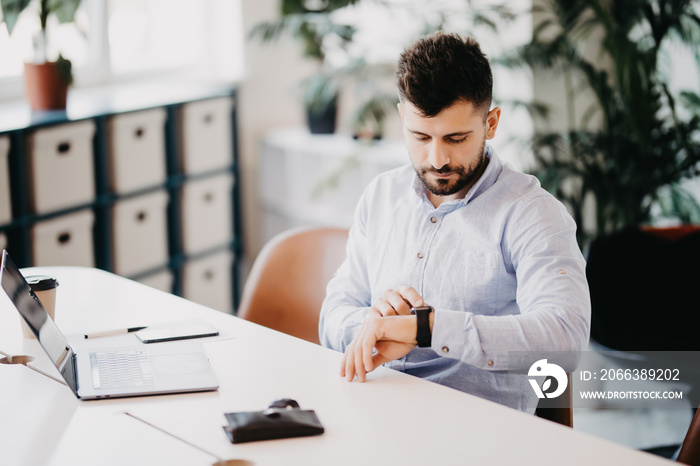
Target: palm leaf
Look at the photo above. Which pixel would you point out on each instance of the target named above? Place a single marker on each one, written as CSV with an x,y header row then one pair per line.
x,y
11,10
64,10
643,144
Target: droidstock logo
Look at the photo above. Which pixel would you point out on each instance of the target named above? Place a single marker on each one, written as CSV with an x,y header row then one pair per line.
x,y
555,382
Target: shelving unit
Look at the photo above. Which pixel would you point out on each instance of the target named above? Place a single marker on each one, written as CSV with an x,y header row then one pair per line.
x,y
182,105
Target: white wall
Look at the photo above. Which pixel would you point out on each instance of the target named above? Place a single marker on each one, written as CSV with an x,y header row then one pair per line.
x,y
269,98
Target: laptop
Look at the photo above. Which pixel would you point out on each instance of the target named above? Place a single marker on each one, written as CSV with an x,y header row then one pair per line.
x,y
105,371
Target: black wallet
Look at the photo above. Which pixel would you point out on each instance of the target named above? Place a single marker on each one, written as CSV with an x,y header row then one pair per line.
x,y
283,419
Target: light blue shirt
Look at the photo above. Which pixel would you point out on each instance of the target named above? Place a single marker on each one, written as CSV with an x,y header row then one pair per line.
x,y
501,267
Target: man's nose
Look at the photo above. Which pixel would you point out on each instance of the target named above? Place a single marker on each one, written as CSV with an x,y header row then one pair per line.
x,y
438,155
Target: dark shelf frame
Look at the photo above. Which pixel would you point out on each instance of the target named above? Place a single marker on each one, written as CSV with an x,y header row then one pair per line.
x,y
18,230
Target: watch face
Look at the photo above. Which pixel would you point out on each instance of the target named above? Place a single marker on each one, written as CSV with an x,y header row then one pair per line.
x,y
422,308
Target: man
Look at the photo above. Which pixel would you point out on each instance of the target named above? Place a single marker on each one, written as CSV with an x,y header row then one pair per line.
x,y
488,257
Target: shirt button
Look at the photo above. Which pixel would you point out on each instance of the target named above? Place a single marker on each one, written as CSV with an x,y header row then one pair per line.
x,y
445,349
490,363
433,219
420,255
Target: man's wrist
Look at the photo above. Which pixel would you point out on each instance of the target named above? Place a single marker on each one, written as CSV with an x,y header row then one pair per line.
x,y
397,328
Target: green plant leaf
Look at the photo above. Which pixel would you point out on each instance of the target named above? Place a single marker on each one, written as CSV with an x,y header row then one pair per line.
x,y
643,145
320,91
11,10
65,70
692,101
64,10
676,202
373,111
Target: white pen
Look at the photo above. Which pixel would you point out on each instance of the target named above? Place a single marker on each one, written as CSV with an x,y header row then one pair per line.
x,y
109,333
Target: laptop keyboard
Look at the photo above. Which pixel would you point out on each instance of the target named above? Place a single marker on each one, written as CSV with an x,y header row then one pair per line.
x,y
121,369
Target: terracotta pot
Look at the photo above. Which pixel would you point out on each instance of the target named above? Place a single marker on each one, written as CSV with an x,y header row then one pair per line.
x,y
672,233
45,89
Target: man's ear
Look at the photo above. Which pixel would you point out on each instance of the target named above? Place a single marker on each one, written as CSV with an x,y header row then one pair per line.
x,y
400,111
492,122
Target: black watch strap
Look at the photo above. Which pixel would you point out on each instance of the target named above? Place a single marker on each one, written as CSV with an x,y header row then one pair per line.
x,y
423,334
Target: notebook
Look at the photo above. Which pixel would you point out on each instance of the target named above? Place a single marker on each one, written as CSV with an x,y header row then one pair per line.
x,y
104,371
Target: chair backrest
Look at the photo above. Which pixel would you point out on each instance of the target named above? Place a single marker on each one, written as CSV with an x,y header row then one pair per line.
x,y
560,409
287,284
690,450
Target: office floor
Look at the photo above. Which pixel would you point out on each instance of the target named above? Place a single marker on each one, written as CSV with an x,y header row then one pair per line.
x,y
633,425
637,428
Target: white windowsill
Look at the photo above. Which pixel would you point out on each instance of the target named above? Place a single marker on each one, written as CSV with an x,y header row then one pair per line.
x,y
116,97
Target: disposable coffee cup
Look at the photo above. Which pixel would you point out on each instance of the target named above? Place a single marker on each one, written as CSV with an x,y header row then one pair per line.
x,y
44,287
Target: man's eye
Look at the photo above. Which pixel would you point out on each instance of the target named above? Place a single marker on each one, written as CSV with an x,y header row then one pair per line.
x,y
423,138
456,141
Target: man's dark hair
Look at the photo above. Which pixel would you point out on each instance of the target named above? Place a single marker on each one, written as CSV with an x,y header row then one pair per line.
x,y
441,69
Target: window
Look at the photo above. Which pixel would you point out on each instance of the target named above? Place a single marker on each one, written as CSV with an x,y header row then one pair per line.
x,y
114,40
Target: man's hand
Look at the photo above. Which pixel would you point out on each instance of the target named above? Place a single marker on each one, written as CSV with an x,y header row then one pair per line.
x,y
386,351
398,302
359,359
389,328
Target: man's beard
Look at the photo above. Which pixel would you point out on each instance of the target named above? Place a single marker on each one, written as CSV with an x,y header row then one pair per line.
x,y
448,187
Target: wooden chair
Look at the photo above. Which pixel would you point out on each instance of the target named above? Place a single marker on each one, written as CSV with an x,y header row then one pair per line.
x,y
560,409
287,284
690,450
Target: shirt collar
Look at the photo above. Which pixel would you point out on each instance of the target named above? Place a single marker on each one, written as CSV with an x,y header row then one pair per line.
x,y
485,181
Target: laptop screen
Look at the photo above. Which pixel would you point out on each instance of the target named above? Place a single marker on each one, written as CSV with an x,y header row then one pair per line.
x,y
38,320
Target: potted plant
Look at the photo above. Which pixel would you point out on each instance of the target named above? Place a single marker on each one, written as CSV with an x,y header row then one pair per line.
x,y
46,81
312,23
638,140
622,156
321,30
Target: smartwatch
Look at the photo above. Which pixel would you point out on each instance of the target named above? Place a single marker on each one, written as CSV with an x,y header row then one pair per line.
x,y
423,334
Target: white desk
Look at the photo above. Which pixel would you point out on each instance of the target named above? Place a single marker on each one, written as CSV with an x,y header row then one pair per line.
x,y
392,419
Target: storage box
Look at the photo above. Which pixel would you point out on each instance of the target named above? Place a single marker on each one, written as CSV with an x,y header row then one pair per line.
x,y
5,207
209,281
65,240
137,150
61,166
162,281
206,130
140,233
207,219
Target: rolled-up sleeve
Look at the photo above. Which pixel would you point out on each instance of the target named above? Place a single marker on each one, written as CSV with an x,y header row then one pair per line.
x,y
552,295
